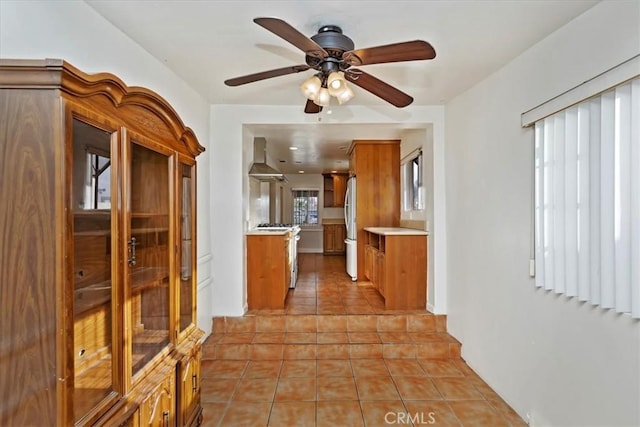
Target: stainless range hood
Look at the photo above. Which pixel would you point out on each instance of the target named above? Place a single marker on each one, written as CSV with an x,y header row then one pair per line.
x,y
260,169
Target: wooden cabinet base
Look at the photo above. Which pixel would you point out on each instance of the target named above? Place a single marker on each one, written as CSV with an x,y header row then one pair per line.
x,y
167,395
397,266
333,239
268,270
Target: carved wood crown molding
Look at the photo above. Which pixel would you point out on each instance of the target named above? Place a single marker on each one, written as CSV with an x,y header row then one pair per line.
x,y
57,73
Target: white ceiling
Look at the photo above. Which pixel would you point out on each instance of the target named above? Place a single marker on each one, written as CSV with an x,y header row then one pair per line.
x,y
207,42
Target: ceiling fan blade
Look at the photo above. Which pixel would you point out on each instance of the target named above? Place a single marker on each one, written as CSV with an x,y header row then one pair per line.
x,y
378,88
285,31
237,81
312,107
407,51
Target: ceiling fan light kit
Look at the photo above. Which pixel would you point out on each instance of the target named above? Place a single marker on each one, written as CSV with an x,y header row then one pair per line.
x,y
345,95
332,55
314,89
336,83
311,87
323,99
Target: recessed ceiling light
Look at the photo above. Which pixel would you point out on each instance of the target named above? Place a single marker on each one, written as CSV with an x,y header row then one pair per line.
x,y
300,171
334,171
293,148
298,162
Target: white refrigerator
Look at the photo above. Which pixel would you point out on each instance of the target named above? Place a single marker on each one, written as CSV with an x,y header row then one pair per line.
x,y
350,222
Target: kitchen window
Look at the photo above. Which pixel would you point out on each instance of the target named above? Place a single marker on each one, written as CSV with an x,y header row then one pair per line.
x,y
412,180
305,206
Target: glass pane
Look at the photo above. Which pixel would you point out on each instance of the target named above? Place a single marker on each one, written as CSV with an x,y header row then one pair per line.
x,y
186,264
148,254
91,199
305,207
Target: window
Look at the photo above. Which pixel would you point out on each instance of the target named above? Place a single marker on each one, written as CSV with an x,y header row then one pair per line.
x,y
305,207
98,179
413,189
587,200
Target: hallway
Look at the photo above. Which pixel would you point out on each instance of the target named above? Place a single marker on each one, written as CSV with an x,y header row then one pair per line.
x,y
323,287
334,357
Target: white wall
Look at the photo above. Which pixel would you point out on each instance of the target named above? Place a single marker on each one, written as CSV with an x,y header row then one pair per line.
x,y
229,184
259,202
76,33
564,362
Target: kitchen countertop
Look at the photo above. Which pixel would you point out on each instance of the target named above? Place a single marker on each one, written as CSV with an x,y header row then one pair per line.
x,y
267,232
327,221
396,231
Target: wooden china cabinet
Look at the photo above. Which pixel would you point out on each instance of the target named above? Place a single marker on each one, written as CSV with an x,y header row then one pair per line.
x,y
97,253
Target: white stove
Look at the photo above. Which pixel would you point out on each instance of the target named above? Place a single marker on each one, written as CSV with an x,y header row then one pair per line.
x,y
278,227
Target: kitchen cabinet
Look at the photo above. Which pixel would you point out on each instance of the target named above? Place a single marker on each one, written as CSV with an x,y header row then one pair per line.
x,y
268,269
374,267
333,239
376,166
335,187
396,264
98,257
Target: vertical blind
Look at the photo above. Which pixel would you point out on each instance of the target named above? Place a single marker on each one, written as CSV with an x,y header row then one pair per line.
x,y
587,200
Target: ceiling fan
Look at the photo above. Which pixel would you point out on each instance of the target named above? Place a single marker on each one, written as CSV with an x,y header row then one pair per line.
x,y
332,55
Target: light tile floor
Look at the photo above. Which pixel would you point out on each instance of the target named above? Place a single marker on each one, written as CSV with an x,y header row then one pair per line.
x,y
334,357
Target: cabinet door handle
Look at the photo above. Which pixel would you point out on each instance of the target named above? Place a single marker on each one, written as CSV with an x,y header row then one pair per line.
x,y
165,419
194,382
132,251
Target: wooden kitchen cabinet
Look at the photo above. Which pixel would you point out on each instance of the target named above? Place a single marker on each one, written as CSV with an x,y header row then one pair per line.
x,y
376,166
98,255
380,273
335,187
268,269
374,268
396,264
333,239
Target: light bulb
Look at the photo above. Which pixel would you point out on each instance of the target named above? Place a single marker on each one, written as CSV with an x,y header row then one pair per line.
x,y
336,83
323,98
311,87
345,95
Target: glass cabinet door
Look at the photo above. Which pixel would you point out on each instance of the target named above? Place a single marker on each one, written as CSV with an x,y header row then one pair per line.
x,y
148,248
93,188
186,187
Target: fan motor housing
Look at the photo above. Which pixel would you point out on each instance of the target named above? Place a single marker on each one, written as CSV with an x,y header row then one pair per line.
x,y
331,39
